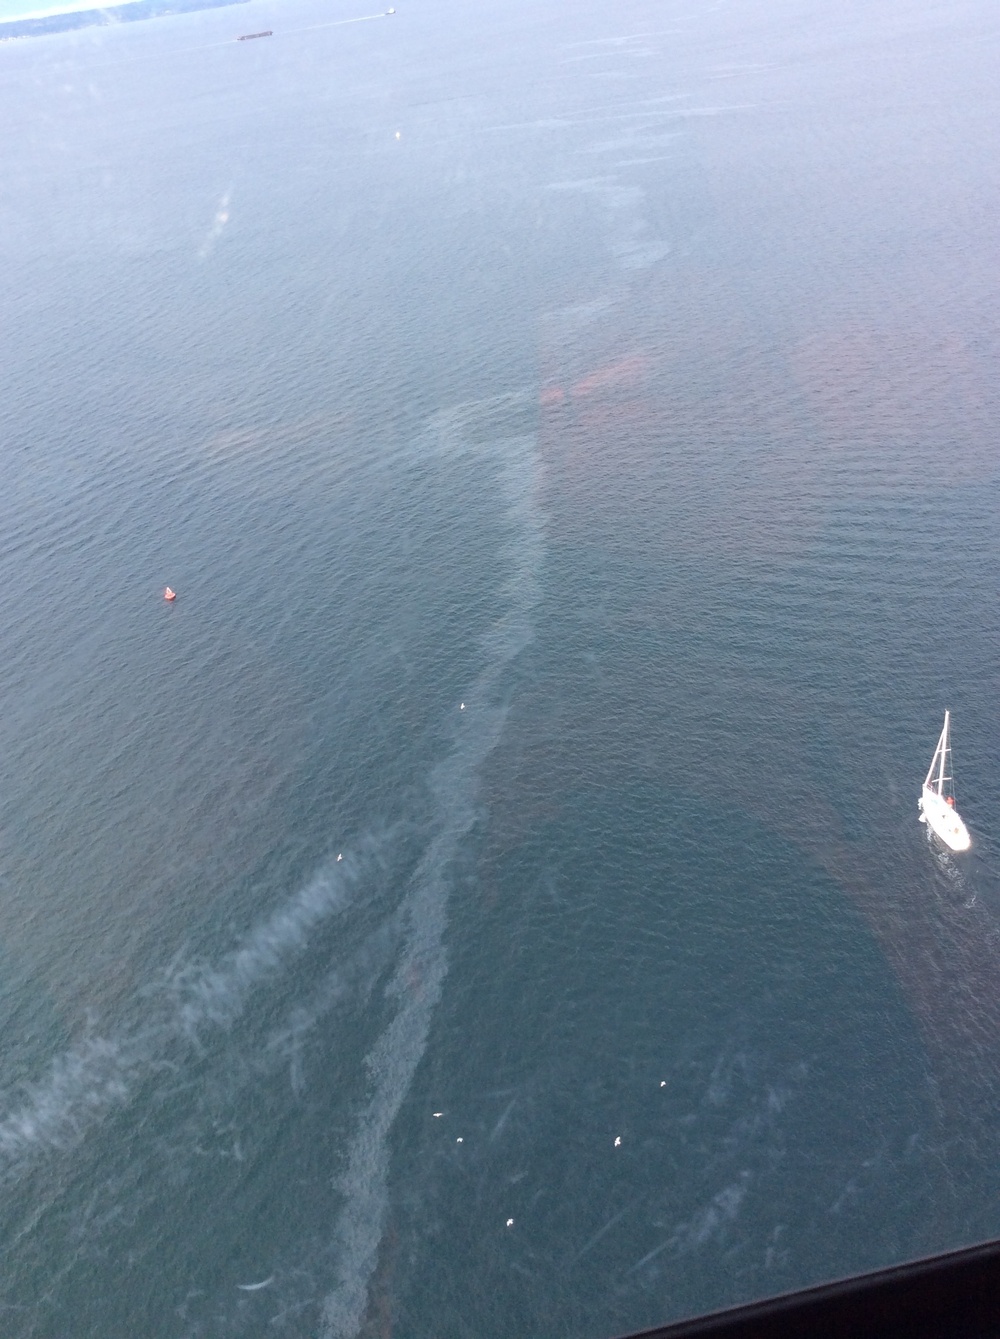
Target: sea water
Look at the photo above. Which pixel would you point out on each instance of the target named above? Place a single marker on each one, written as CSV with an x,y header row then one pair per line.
x,y
491,900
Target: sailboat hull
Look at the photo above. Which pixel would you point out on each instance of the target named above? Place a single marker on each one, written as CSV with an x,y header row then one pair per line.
x,y
944,820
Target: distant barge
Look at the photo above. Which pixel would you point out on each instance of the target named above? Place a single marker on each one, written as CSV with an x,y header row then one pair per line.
x,y
248,37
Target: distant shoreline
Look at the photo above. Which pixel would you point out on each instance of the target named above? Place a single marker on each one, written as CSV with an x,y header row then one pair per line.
x,y
42,25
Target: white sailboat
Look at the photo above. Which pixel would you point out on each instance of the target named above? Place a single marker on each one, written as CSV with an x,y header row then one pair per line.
x,y
937,801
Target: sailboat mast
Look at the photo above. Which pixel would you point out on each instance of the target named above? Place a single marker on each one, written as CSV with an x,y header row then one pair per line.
x,y
944,751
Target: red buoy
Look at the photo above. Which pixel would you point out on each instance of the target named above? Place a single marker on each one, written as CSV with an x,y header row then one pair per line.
x,y
169,594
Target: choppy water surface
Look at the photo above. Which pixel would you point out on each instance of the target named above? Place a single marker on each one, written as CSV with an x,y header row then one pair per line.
x,y
491,901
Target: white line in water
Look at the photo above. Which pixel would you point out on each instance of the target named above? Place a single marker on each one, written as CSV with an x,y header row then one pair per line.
x,y
100,1074
336,23
419,977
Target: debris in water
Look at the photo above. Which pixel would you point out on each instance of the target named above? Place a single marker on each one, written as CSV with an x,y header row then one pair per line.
x,y
459,1140
618,1140
437,1113
341,856
663,1083
510,1222
254,1287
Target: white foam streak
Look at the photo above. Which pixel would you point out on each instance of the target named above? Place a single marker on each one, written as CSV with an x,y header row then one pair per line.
x,y
101,1074
81,1088
218,224
418,980
216,998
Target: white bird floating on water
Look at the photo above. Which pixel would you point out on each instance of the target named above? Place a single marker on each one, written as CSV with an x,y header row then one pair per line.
x,y
254,1287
